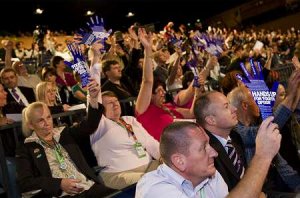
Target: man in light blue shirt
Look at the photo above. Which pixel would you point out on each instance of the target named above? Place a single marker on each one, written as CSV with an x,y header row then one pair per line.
x,y
189,172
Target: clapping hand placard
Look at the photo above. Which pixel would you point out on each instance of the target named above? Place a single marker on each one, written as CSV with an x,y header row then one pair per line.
x,y
263,96
79,64
97,32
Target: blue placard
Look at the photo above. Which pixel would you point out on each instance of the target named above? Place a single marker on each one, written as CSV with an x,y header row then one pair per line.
x,y
79,64
263,96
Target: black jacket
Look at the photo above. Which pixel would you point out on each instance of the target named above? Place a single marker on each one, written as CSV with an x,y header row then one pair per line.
x,y
33,171
223,163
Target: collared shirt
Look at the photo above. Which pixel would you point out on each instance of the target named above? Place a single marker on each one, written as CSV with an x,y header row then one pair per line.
x,y
165,182
22,97
114,147
223,141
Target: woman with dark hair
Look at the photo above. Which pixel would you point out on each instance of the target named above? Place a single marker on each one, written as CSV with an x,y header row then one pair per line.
x,y
151,109
49,75
63,78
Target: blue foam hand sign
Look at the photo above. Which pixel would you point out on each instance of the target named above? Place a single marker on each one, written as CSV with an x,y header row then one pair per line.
x,y
263,96
212,45
192,64
79,64
98,28
176,42
85,37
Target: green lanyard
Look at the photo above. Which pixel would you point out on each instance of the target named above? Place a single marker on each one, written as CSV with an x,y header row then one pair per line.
x,y
202,195
57,151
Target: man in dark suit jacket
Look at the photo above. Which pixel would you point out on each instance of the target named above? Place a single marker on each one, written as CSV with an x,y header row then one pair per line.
x,y
214,113
218,117
26,96
223,163
17,97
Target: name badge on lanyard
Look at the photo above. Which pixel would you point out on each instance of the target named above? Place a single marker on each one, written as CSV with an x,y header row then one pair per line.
x,y
139,149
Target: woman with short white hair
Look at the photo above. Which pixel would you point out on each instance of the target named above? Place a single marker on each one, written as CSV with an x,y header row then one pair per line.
x,y
50,162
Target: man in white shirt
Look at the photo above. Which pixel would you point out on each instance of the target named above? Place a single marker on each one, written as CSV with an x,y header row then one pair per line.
x,y
25,79
189,171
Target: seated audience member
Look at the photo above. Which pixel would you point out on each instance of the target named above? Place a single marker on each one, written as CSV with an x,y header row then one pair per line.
x,y
9,155
247,115
64,80
150,108
25,79
20,50
50,161
214,113
218,117
46,93
17,97
188,169
62,93
120,144
118,83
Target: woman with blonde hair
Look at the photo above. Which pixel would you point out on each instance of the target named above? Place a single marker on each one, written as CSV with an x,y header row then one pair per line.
x,y
50,161
46,92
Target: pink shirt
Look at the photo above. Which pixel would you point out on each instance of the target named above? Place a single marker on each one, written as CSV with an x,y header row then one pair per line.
x,y
155,119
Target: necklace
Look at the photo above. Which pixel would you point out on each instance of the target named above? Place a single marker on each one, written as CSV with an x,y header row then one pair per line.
x,y
167,110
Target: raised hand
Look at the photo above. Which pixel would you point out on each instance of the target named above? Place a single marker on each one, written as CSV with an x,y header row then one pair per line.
x,y
263,96
146,39
79,64
268,139
296,63
93,88
98,28
132,33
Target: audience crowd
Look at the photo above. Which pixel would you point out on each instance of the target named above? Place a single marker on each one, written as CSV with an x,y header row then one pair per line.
x,y
165,116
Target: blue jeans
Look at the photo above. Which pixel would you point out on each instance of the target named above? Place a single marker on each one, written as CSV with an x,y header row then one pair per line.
x,y
12,184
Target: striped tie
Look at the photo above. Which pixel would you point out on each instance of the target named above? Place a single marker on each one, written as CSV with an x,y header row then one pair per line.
x,y
235,159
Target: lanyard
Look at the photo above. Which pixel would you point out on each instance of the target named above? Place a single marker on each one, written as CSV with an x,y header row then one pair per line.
x,y
128,128
202,195
57,151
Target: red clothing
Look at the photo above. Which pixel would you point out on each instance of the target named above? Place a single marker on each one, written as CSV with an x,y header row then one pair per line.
x,y
155,119
70,81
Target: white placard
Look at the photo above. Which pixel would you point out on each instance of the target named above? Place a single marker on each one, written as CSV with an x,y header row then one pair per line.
x,y
15,117
77,107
